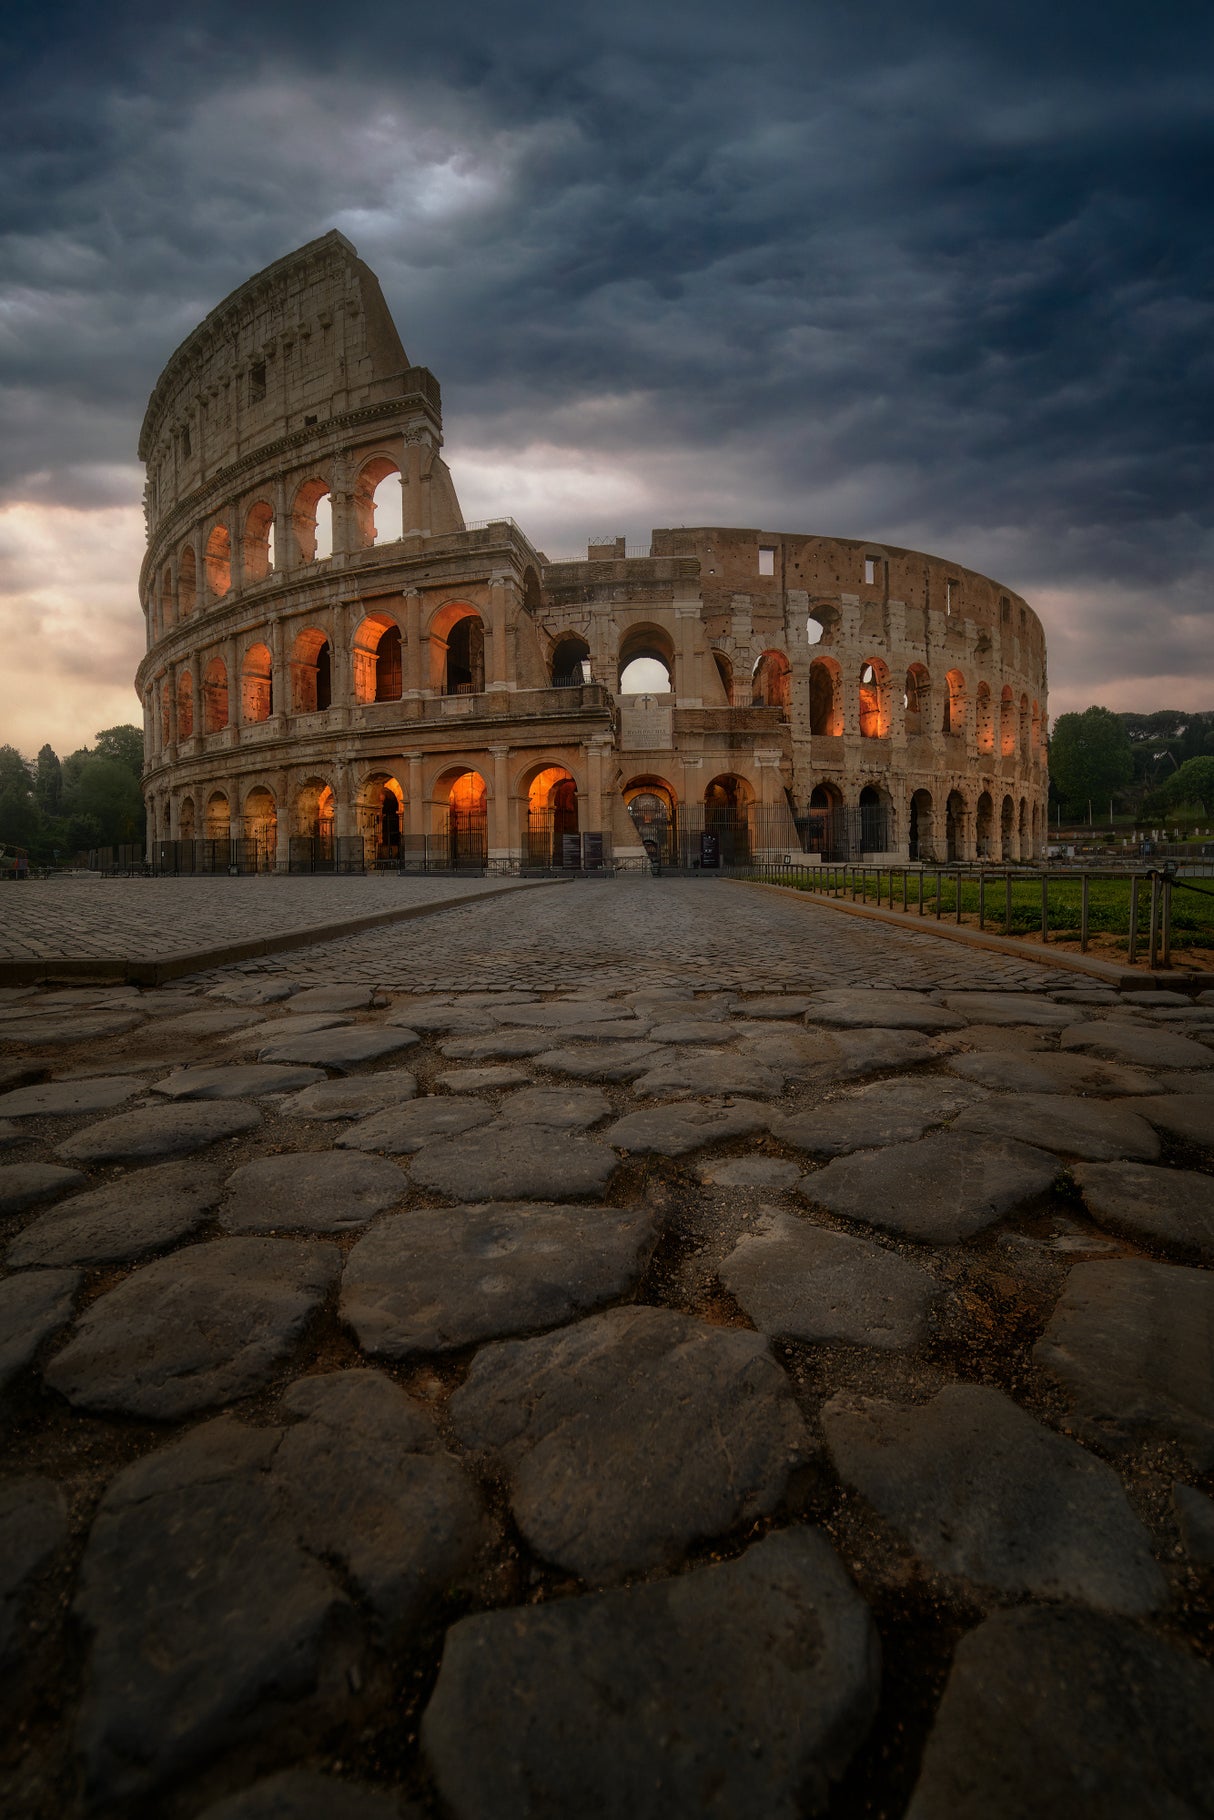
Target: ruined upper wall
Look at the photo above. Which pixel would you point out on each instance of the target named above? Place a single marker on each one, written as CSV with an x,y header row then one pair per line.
x,y
308,339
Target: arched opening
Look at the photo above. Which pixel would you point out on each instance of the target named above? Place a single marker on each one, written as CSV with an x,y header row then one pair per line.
x,y
724,671
166,712
552,815
461,819
531,591
457,650
1037,835
653,810
1024,726
825,822
257,544
311,672
381,819
314,814
257,684
378,671
219,561
1036,727
185,819
954,826
727,802
771,683
874,699
876,834
984,720
187,580
215,696
217,823
918,700
921,833
984,826
646,664
570,661
378,503
261,825
815,630
1007,723
185,705
825,698
1007,830
954,705
312,521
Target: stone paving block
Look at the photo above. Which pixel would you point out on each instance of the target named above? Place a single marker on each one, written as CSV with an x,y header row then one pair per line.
x,y
307,1794
310,1191
251,991
33,1527
600,1061
760,1680
216,1020
557,1108
1132,1344
1195,1520
1160,1206
801,1282
979,1490
338,1049
1143,1046
884,1112
33,1305
601,1429
785,1004
47,1031
1010,1072
852,1053
501,1162
944,1187
25,1185
69,1098
332,998
1183,1115
235,1080
399,1130
691,1030
867,1008
676,1130
1097,1131
207,1592
1069,1715
12,1133
196,1328
158,1131
482,1080
251,1040
1014,1008
574,1012
143,1210
352,1098
710,1071
450,1020
438,1279
502,1045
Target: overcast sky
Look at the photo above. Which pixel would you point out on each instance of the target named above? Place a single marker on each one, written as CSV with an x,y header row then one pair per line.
x,y
935,275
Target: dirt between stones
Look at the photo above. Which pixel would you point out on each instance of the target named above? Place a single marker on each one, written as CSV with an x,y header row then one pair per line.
x,y
993,1297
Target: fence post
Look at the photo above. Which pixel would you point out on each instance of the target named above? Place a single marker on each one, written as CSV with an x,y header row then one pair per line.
x,y
1132,952
1083,914
957,889
1165,959
1045,906
1007,903
921,891
1154,919
981,898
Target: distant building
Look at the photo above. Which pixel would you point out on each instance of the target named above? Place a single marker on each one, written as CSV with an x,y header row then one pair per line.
x,y
337,664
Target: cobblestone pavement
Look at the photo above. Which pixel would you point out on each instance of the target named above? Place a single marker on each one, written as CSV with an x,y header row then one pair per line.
x,y
91,916
622,1350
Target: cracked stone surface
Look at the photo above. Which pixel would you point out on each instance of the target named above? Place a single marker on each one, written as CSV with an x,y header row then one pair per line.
x,y
884,1112
599,1429
947,1186
1064,1123
1183,1115
33,1306
27,1184
143,1210
532,1709
399,1130
234,1082
1141,1045
676,1130
64,1099
352,1098
158,1131
499,1162
311,1191
1160,1206
341,1049
802,1282
438,1279
860,1010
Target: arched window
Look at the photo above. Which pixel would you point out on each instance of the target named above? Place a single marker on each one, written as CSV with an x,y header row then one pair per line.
x,y
215,696
1036,727
466,656
312,521
1024,726
260,823
646,661
921,833
185,705
984,826
311,672
378,503
918,700
771,683
874,699
217,822
257,545
219,561
825,698
724,670
569,654
954,704
257,684
187,580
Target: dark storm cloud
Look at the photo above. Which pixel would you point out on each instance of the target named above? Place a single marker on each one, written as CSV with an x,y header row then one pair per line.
x,y
904,272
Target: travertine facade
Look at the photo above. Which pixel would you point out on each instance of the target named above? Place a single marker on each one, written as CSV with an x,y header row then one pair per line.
x,y
332,652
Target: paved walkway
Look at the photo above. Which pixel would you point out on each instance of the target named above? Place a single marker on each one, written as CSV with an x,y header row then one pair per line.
x,y
637,1348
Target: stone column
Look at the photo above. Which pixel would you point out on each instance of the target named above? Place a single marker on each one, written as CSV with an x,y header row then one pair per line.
x,y
282,833
503,841
343,809
231,657
501,602
282,527
341,659
416,678
415,807
231,518
590,817
280,681
688,689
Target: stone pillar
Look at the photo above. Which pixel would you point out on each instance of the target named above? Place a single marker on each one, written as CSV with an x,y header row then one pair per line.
x,y
504,844
235,551
415,806
416,678
280,785
283,558
280,680
590,815
341,658
235,787
688,688
231,658
501,602
343,809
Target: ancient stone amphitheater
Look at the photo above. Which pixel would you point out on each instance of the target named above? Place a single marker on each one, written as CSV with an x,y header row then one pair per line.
x,y
341,671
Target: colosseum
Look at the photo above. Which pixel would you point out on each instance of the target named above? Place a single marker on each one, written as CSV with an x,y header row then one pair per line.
x,y
341,672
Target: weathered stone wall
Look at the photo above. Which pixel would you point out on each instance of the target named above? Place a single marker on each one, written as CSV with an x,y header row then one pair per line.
x,y
297,677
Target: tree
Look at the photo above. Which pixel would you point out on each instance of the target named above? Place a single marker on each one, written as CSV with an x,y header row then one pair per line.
x,y
18,811
1090,757
124,745
1193,783
48,781
104,792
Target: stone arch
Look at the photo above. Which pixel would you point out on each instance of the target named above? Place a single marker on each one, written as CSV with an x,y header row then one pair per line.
x,y
215,696
771,681
380,813
825,823
917,700
921,826
1007,829
257,544
1022,829
825,698
378,503
728,813
956,826
312,521
217,820
724,669
1023,737
984,719
653,808
1007,723
457,649
187,580
1037,831
185,705
459,810
551,798
876,818
185,819
260,823
874,699
569,653
257,684
314,810
644,645
378,671
531,590
311,669
219,561
954,704
984,826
